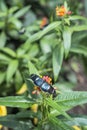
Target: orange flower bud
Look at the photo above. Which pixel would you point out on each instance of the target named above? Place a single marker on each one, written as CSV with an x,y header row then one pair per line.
x,y
36,90
44,22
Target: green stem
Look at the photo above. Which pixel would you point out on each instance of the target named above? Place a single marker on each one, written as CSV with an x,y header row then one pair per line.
x,y
44,108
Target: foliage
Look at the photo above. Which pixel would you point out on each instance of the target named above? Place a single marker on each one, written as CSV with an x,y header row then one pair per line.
x,y
26,48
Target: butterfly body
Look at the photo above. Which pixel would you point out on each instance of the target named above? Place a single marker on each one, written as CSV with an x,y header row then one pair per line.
x,y
40,82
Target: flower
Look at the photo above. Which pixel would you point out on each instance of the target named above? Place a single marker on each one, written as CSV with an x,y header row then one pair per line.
x,y
35,121
22,89
76,127
3,112
36,90
47,79
62,11
34,107
43,23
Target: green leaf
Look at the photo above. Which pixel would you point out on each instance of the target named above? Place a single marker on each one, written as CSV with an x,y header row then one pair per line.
x,y
2,76
60,124
46,43
16,101
13,9
40,34
9,123
21,52
34,50
3,14
21,12
79,28
25,114
4,57
12,122
16,24
2,24
67,40
57,107
18,80
79,49
30,19
32,68
50,27
12,68
77,17
57,60
8,51
71,99
79,121
3,6
64,86
2,39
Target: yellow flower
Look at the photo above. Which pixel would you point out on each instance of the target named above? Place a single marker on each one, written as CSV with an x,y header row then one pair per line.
x,y
34,107
3,112
22,89
35,121
76,127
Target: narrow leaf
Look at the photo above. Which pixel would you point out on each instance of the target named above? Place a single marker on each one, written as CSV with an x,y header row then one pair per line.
x,y
79,28
16,101
4,57
3,6
2,24
57,107
21,12
67,41
71,99
60,124
40,34
18,80
11,122
32,68
12,68
2,39
8,51
13,9
2,77
78,121
57,60
79,49
77,17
